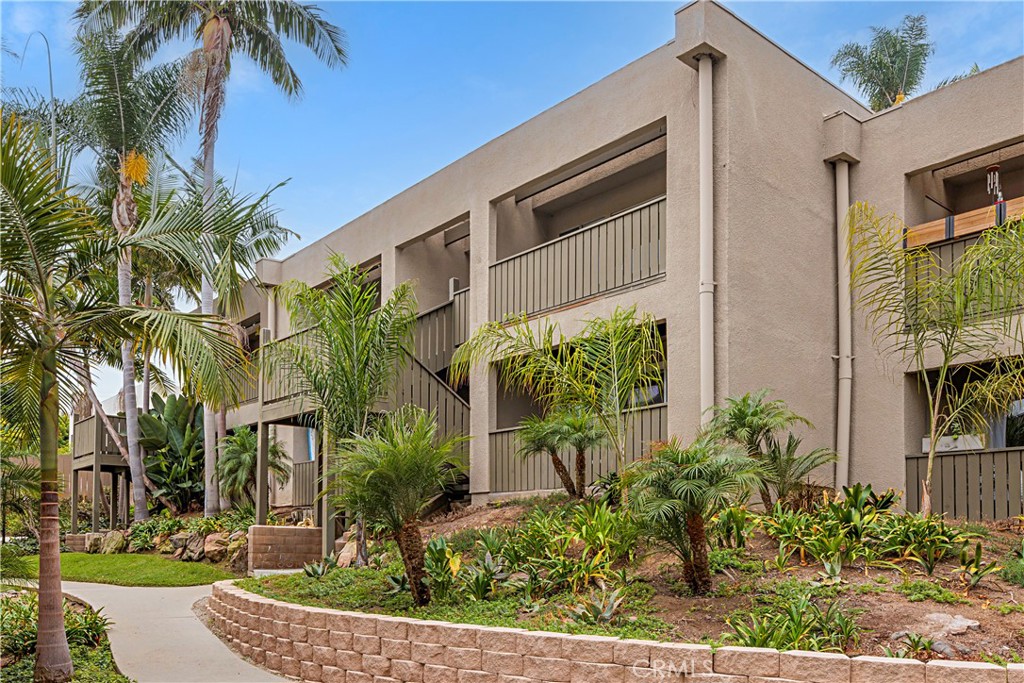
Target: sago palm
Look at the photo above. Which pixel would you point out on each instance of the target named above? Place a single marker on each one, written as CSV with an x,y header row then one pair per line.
x,y
932,316
678,488
388,477
786,468
538,435
51,320
220,29
601,370
752,420
236,468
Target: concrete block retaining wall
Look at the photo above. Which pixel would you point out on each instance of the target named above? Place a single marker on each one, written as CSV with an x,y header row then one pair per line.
x,y
283,547
76,542
331,646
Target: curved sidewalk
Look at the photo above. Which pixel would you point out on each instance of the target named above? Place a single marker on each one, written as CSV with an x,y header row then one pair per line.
x,y
156,638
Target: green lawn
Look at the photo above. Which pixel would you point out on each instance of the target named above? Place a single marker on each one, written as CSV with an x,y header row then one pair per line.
x,y
134,569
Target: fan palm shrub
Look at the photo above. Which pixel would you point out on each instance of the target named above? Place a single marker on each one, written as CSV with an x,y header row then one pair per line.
x,y
539,435
786,468
236,467
677,489
222,30
753,421
579,431
602,370
53,315
932,316
390,474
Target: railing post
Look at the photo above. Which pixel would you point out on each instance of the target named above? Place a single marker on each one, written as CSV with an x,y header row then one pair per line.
x,y
262,442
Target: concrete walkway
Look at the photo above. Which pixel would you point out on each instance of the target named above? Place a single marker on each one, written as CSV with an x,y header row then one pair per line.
x,y
156,638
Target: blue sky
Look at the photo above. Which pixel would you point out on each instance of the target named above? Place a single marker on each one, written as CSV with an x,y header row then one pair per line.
x,y
429,82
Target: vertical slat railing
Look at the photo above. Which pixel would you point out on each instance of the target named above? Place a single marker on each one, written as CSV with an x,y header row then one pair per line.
x,y
615,253
303,483
417,385
511,472
84,438
285,382
973,485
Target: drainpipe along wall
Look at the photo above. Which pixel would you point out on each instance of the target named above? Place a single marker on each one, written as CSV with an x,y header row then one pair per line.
x,y
707,237
844,371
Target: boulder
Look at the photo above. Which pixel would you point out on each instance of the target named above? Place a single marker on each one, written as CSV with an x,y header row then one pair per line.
x,y
215,547
194,548
347,555
160,540
180,539
114,542
94,542
238,554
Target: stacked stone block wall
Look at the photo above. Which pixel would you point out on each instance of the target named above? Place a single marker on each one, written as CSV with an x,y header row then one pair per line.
x,y
330,646
283,547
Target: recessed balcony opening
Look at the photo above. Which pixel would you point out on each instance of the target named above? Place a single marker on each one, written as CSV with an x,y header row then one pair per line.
x,y
595,230
437,263
958,201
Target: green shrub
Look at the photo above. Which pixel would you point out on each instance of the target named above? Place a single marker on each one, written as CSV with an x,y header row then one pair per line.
x,y
92,665
1013,571
19,616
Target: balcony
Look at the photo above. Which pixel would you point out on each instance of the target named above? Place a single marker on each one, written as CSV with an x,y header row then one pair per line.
x,y
615,253
963,226
91,439
974,485
510,473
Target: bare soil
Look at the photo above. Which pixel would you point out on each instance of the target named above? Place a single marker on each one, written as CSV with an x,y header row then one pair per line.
x,y
882,611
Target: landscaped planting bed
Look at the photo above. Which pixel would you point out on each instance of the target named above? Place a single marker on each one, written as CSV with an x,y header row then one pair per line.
x,y
857,578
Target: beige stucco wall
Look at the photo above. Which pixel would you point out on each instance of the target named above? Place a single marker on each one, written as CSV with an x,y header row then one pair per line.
x,y
775,241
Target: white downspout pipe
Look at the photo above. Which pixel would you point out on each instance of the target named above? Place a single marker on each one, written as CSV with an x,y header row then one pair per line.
x,y
706,290
844,371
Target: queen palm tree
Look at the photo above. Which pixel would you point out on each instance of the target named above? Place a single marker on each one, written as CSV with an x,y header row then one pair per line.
x,y
601,370
752,421
679,488
389,475
891,67
221,27
51,318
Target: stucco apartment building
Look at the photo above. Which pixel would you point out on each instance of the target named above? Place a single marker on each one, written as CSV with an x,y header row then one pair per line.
x,y
705,183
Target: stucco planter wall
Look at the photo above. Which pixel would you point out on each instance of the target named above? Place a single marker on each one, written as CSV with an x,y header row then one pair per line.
x,y
331,646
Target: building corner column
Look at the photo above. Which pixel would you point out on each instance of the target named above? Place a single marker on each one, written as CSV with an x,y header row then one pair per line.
x,y
482,380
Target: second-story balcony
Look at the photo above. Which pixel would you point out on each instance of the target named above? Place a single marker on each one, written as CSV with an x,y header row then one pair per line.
x,y
622,251
959,228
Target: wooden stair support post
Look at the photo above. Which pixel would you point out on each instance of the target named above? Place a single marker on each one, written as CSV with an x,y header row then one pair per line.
x,y
262,444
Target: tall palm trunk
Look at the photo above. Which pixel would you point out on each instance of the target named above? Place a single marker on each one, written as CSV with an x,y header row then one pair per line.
x,y
563,474
222,432
53,658
124,217
410,545
147,362
216,42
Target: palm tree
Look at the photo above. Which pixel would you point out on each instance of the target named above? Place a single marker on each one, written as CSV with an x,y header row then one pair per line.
x,y
932,316
51,318
602,370
351,354
678,488
221,27
237,466
538,435
891,67
579,430
388,477
785,468
752,421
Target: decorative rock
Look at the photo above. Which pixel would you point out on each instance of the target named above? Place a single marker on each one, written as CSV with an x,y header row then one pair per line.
x,y
943,648
180,539
238,553
194,548
215,547
161,540
93,542
347,555
114,542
